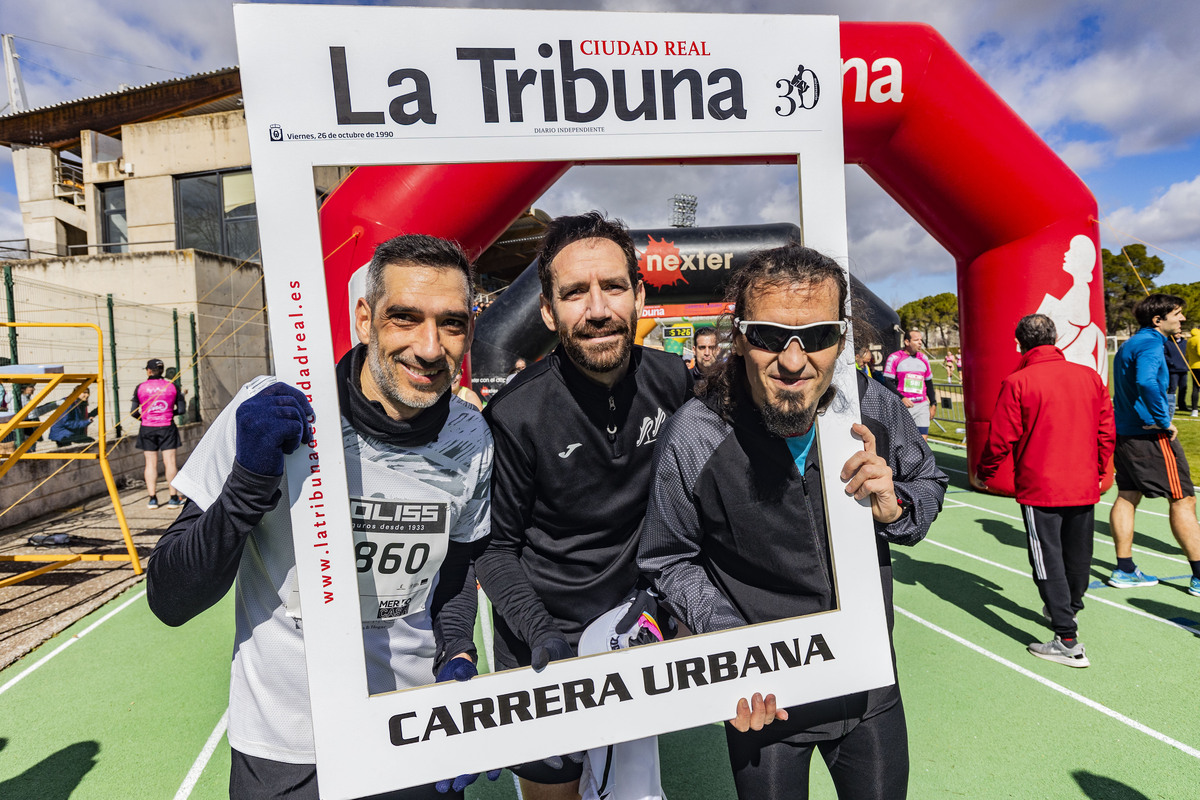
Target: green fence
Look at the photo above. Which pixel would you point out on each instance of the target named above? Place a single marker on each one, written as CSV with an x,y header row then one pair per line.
x,y
133,334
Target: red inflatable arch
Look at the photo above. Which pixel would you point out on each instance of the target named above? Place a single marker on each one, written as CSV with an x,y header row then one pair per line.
x,y
1020,224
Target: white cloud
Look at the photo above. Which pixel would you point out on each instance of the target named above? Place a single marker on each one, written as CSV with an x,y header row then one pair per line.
x,y
1171,220
1083,156
1121,71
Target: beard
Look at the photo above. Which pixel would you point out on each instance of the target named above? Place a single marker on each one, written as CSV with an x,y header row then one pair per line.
x,y
593,357
383,371
786,414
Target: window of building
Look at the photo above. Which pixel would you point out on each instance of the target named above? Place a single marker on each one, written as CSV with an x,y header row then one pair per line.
x,y
114,230
216,212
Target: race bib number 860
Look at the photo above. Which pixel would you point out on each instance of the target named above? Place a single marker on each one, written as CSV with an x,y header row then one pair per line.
x,y
398,547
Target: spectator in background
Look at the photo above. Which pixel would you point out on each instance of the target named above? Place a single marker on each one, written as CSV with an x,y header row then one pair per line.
x,y
1148,458
1055,419
863,360
1192,354
518,366
172,374
1176,372
909,373
71,427
22,395
706,351
156,402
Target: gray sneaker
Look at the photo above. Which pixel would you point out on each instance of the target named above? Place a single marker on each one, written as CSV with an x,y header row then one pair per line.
x,y
1055,650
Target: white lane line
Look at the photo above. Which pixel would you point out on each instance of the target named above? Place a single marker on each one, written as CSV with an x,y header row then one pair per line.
x,y
206,753
951,469
1103,709
485,622
40,662
1102,539
1141,511
1093,596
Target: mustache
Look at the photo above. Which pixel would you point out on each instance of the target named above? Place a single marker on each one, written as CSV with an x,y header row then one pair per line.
x,y
594,330
416,363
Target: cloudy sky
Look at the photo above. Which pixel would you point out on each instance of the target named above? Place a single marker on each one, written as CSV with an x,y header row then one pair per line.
x,y
1109,84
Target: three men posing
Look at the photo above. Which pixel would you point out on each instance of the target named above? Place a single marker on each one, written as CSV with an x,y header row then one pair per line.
x,y
575,437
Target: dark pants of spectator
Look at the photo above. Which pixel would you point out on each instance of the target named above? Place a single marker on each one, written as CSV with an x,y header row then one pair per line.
x,y
1060,552
1175,380
77,438
868,762
1195,388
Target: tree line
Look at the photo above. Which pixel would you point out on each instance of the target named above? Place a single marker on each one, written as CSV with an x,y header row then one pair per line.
x,y
1123,290
936,316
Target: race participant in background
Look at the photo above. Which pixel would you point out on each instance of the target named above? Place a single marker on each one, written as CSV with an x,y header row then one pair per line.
x,y
735,529
908,369
1055,418
1149,460
575,434
156,401
407,441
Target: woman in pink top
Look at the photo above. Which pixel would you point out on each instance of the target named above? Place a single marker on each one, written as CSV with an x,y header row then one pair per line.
x,y
156,401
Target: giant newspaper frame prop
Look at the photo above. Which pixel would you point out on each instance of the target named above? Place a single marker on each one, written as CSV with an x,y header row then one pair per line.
x,y
761,98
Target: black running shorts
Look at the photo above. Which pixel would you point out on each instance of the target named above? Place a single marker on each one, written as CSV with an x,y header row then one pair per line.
x,y
158,438
1154,465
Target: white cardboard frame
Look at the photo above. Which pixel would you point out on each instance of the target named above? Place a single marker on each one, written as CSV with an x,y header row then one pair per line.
x,y
287,85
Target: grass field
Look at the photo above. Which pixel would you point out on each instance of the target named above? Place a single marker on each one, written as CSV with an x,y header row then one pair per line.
x,y
121,706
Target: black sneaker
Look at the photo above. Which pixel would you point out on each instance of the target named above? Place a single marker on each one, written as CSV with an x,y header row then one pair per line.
x,y
175,502
153,504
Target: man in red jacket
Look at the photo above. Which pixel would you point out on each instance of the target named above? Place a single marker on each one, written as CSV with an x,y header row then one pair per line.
x,y
1056,419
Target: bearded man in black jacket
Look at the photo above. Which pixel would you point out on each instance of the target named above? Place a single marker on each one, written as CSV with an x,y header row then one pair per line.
x,y
574,437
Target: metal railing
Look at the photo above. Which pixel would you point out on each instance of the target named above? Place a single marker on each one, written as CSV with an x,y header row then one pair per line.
x,y
951,417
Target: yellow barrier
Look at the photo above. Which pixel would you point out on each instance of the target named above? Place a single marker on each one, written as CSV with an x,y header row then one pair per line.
x,y
81,381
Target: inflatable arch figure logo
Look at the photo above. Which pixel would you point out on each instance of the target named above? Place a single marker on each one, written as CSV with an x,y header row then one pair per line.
x,y
922,123
1081,340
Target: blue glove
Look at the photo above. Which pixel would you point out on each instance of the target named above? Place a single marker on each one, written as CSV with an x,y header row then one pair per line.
x,y
270,425
550,648
460,669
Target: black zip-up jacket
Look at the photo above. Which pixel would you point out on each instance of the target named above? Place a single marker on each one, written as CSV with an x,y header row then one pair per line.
x,y
734,534
569,484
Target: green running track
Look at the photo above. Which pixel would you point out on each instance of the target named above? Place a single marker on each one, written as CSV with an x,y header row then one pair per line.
x,y
120,706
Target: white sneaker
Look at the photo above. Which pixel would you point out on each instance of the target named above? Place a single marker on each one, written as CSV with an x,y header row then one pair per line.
x,y
1195,413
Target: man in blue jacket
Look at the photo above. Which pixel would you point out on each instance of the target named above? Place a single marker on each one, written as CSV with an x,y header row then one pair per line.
x,y
1149,459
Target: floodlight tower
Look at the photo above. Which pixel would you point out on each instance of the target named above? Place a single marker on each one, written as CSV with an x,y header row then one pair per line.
x,y
683,211
16,86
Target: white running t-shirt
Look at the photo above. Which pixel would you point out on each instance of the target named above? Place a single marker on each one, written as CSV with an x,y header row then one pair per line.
x,y
269,715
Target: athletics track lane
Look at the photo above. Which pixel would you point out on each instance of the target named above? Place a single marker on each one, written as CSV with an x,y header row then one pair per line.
x,y
126,710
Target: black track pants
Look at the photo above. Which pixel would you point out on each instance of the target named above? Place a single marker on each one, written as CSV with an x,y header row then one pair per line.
x,y
1060,552
869,762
